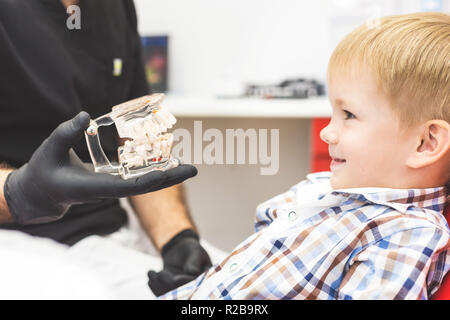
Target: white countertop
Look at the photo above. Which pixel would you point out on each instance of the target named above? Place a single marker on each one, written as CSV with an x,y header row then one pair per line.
x,y
191,106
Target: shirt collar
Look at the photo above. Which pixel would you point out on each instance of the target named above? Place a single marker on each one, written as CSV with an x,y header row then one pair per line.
x,y
400,199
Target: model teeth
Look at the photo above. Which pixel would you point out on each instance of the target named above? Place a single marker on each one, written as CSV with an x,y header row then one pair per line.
x,y
150,141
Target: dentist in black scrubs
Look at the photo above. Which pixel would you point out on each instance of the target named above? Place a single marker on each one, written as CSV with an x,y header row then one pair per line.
x,y
49,73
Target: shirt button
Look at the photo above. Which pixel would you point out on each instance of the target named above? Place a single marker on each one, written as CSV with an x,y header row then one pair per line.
x,y
233,267
292,216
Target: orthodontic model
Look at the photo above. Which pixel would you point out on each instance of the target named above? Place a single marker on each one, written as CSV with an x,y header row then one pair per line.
x,y
143,122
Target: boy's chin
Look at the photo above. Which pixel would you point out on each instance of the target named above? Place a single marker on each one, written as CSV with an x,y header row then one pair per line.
x,y
337,183
334,182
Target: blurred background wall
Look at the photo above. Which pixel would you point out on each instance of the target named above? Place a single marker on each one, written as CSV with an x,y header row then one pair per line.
x,y
220,45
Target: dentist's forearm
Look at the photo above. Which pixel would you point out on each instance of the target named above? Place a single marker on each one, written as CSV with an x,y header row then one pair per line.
x,y
5,215
163,214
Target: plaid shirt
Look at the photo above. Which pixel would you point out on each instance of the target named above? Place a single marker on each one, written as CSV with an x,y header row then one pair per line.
x,y
313,242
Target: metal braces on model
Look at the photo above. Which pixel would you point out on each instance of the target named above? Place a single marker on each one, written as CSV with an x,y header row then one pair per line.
x,y
143,122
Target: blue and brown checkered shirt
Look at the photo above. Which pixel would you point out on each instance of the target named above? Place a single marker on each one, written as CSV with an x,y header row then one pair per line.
x,y
313,242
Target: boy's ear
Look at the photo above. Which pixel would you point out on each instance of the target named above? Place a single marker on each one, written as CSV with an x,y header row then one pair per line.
x,y
433,143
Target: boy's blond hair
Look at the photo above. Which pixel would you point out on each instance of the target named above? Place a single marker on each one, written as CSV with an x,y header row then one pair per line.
x,y
409,55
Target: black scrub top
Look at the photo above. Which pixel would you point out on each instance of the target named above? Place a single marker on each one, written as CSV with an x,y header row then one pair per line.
x,y
48,74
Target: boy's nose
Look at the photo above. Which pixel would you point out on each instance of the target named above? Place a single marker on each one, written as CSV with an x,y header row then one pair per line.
x,y
328,135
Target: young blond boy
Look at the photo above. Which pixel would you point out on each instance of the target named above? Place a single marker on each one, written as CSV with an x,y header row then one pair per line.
x,y
372,228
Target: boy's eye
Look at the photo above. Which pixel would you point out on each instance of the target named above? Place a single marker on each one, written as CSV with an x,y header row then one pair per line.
x,y
349,115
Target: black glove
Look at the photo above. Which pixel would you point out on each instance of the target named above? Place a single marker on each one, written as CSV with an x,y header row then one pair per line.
x,y
184,260
55,178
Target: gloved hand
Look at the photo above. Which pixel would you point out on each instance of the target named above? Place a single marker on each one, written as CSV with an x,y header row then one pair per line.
x,y
55,178
184,260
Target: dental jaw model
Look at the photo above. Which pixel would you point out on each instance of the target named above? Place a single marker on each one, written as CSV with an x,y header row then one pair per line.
x,y
143,122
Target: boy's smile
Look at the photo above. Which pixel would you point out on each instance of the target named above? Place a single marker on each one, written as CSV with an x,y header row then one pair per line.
x,y
366,143
336,164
